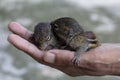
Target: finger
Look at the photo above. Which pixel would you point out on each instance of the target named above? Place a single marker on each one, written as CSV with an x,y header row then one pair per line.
x,y
25,46
59,57
19,29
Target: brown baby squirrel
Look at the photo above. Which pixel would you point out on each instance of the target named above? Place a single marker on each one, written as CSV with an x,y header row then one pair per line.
x,y
74,37
43,37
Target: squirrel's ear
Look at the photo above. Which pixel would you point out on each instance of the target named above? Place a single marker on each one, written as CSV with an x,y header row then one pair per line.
x,y
51,23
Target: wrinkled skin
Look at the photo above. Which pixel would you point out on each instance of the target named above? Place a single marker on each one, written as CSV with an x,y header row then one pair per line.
x,y
103,60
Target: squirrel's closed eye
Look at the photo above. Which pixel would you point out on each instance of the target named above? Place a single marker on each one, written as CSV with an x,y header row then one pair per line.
x,y
56,26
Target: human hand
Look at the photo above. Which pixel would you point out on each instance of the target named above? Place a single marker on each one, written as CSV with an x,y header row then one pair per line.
x,y
103,60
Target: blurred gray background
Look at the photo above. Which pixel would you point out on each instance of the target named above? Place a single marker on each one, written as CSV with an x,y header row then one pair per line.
x,y
100,16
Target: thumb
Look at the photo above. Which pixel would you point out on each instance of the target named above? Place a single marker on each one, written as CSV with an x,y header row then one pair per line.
x,y
58,57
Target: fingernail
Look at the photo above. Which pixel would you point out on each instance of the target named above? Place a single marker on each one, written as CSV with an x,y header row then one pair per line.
x,y
49,57
13,24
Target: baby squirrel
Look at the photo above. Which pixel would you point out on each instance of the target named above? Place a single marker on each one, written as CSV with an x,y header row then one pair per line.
x,y
43,37
74,37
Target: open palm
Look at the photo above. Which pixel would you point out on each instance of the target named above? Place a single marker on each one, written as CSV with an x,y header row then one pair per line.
x,y
103,60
